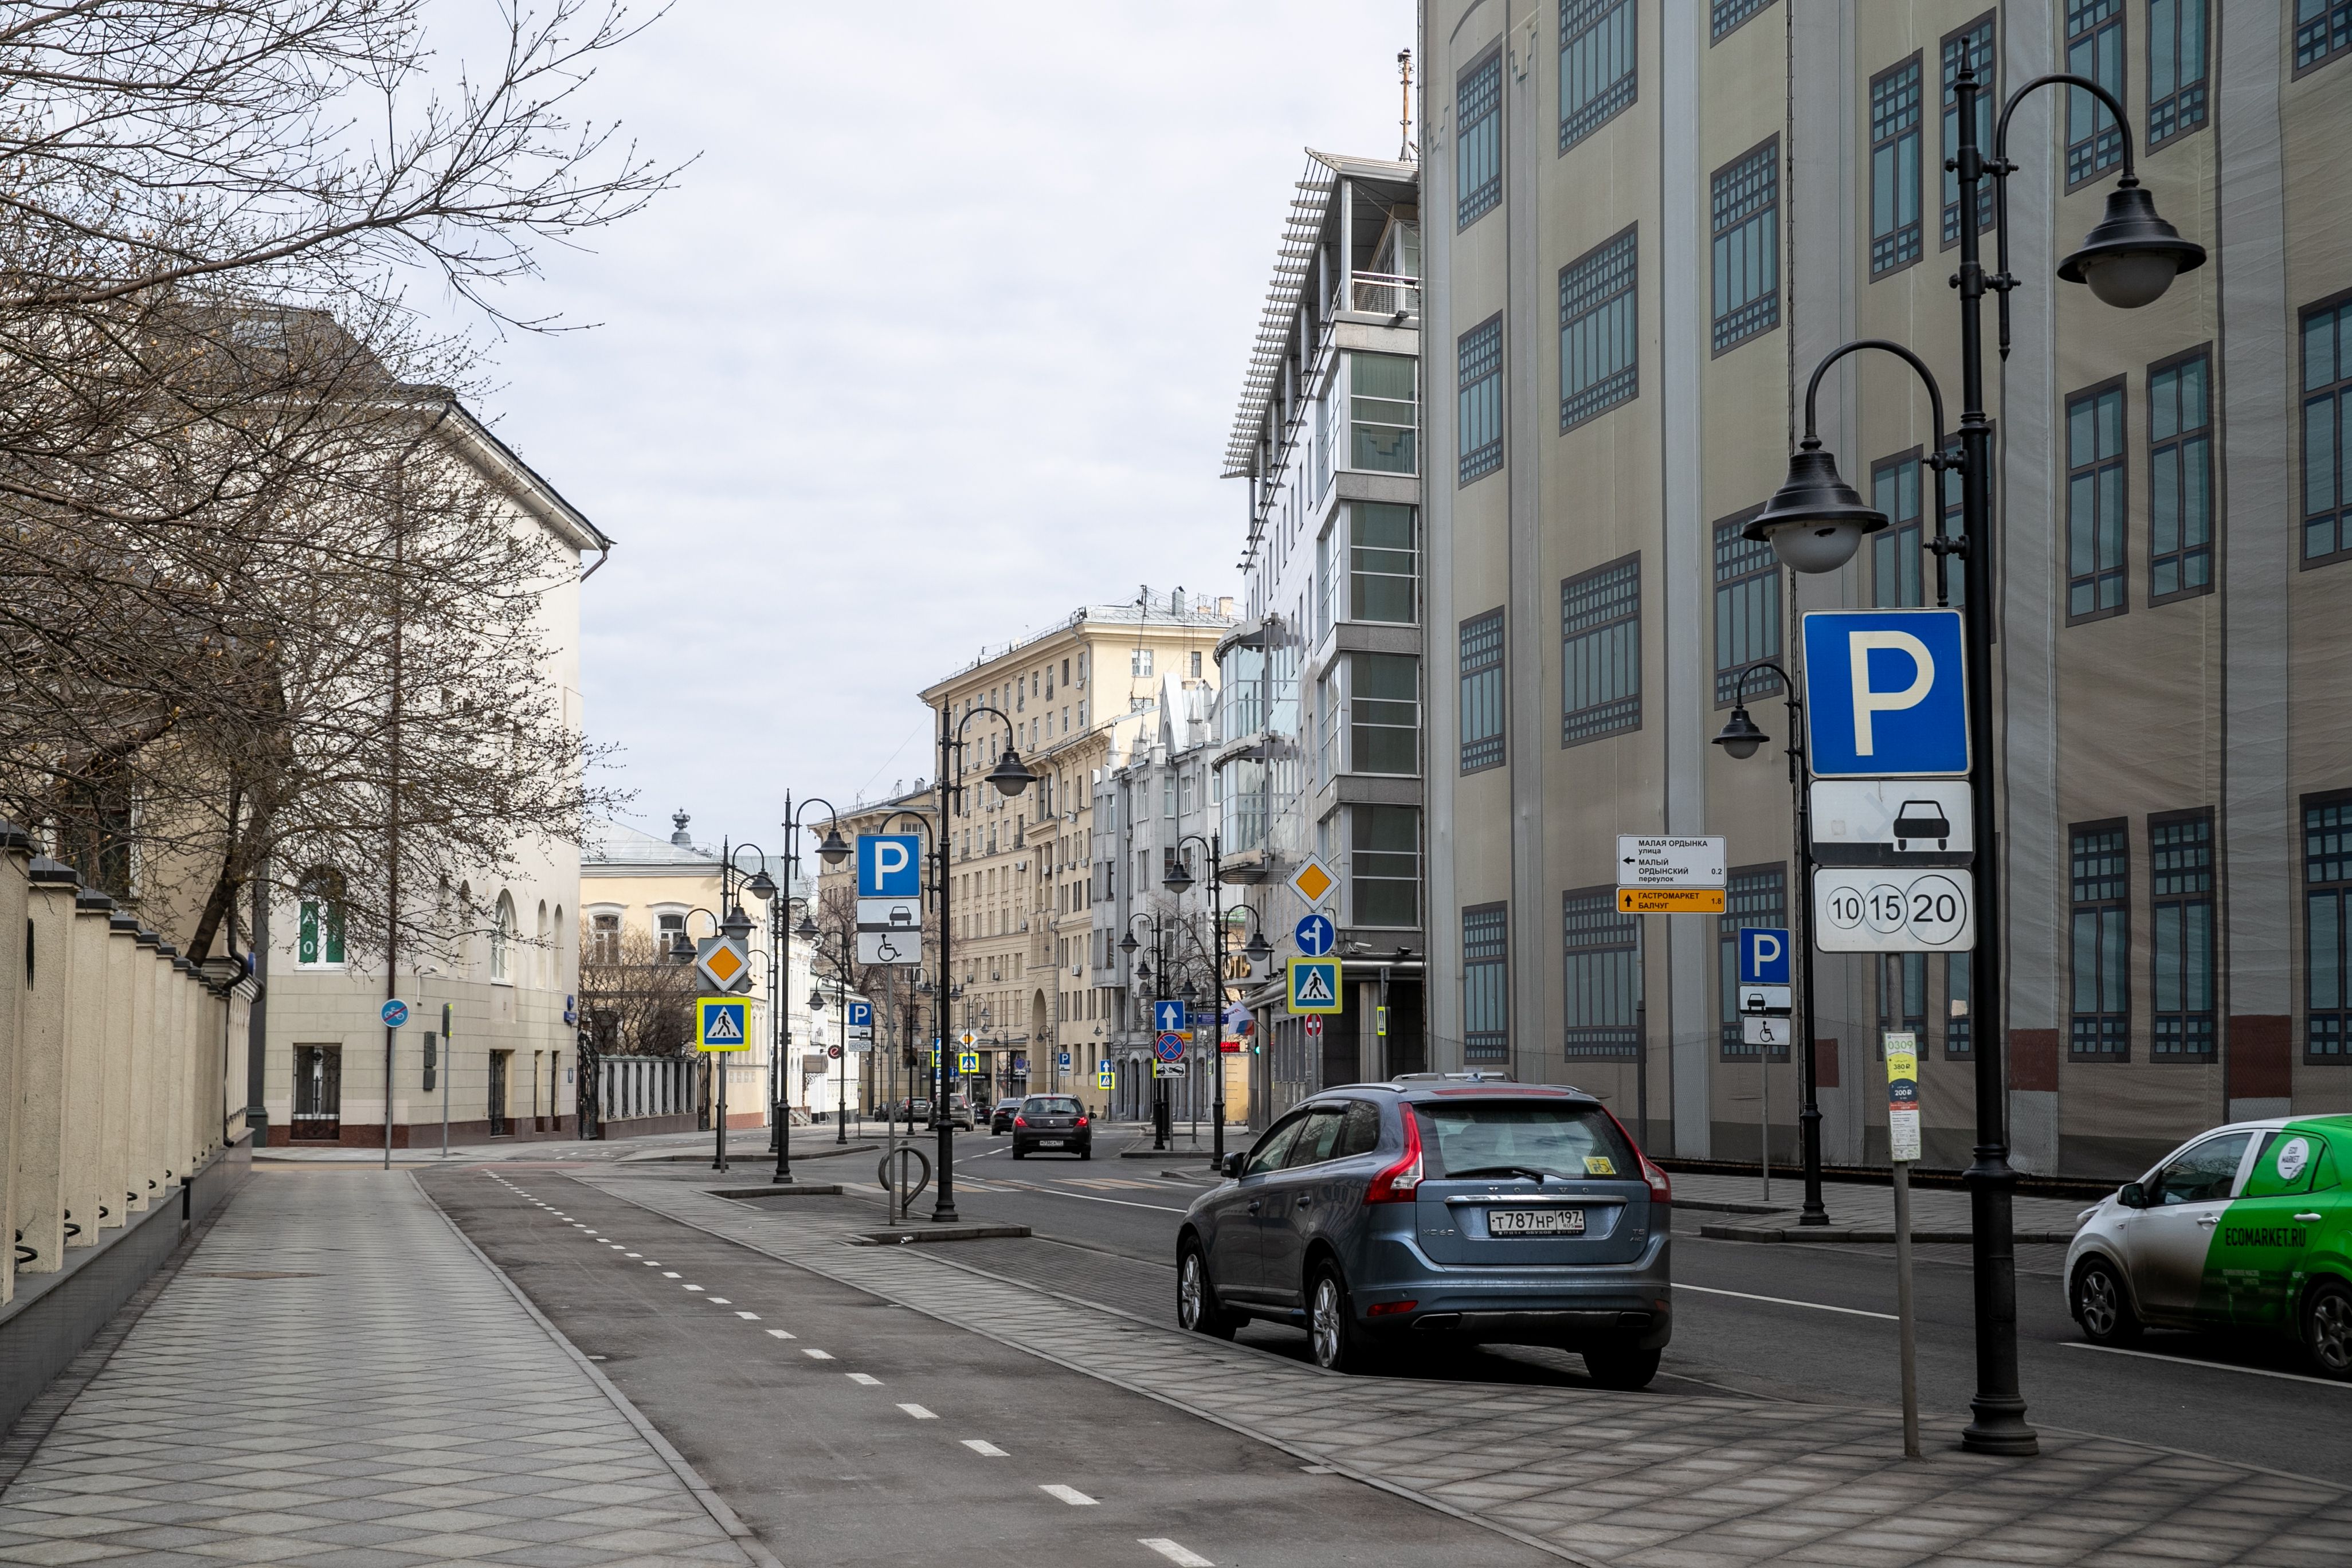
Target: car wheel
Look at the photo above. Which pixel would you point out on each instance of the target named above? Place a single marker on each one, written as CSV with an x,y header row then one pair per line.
x,y
1197,1310
1332,1335
2327,1328
1622,1367
1087,1152
2101,1305
1018,1154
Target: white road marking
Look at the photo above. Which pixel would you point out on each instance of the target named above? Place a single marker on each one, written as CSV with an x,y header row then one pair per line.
x,y
982,1445
863,1379
1070,1495
715,1301
619,1248
918,1413
1181,1556
668,1273
817,1356
748,1317
2209,1365
780,1333
682,1287
1785,1301
1091,1198
632,1254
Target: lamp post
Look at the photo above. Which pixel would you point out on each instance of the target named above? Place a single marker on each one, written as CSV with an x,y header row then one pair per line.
x,y
833,851
1011,775
1815,521
1153,972
1179,876
808,931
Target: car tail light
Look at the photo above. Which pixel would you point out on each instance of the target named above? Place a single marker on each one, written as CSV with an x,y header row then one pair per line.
x,y
1082,1121
1020,1122
1384,1309
1661,1191
1396,1184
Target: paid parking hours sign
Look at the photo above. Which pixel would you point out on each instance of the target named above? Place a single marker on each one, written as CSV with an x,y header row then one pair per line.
x,y
722,1023
1315,985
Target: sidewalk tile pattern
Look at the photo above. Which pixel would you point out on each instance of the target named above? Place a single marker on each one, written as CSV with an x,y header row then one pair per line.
x,y
334,1380
1646,1481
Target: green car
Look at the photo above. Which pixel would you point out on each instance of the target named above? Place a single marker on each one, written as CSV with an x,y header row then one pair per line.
x,y
2246,1227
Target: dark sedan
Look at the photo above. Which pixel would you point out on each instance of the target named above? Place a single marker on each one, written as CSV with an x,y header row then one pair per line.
x,y
1001,1119
1051,1124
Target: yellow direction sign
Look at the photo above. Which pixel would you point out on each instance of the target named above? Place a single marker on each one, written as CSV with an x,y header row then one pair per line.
x,y
1315,985
722,1023
1312,882
1670,901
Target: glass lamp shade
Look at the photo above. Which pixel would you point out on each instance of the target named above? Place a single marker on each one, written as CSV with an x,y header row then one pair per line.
x,y
762,886
1177,878
1011,775
1257,950
1740,736
1815,521
2133,256
835,848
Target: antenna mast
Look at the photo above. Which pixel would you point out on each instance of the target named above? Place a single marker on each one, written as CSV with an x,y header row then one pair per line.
x,y
1404,105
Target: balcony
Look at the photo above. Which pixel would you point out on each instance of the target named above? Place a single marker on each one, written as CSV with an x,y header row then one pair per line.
x,y
1384,294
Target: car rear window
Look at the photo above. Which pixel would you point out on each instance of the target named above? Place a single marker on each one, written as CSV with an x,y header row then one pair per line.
x,y
1492,1137
1050,1105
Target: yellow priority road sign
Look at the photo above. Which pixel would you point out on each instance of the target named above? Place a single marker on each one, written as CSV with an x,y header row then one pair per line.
x,y
1670,901
1315,985
722,1023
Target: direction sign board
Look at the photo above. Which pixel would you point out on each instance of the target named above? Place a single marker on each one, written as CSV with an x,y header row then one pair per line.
x,y
1657,861
1670,901
722,1023
1885,694
1892,822
1167,1017
1312,882
723,962
1315,985
1316,935
890,865
1866,909
394,1012
1169,1047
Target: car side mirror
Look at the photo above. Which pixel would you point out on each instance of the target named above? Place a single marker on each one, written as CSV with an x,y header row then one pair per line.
x,y
2132,1196
1232,1165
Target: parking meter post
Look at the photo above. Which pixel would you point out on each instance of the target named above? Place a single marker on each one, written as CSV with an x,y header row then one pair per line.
x,y
1906,1328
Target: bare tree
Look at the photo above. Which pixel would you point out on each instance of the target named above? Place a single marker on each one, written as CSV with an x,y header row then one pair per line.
x,y
650,997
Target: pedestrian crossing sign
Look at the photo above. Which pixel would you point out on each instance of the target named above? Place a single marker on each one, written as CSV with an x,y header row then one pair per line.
x,y
722,1023
967,1061
1315,985
1106,1077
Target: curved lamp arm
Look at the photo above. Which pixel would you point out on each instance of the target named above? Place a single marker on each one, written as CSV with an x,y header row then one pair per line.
x,y
2000,168
1941,457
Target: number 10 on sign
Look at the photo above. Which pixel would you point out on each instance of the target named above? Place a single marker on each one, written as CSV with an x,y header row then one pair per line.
x,y
1876,909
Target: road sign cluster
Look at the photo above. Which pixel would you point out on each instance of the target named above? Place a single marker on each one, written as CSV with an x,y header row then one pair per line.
x,y
889,899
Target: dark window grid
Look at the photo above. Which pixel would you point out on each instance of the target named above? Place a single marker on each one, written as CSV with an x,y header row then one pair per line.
x,y
1960,1009
1598,61
1485,977
1481,691
2175,69
2322,32
1753,896
2180,477
1902,998
1971,46
1896,561
1895,168
1744,202
2100,1024
2327,432
1725,17
2094,503
1601,652
2327,964
1747,610
1599,359
1479,374
2094,48
1602,953
2180,914
1478,141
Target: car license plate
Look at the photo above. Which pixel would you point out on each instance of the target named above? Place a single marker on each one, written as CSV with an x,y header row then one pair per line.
x,y
1534,1221
1049,1142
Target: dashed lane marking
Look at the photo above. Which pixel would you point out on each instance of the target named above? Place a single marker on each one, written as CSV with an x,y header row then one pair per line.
x,y
748,1317
817,1356
2208,1365
1182,1557
1070,1495
715,1300
668,1273
982,1445
918,1413
863,1379
780,1333
1091,1198
1785,1301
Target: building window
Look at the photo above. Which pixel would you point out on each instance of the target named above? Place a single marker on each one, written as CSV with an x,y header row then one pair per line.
x,y
1382,409
1597,61
2326,431
1895,168
2175,69
1479,366
1959,1034
1481,691
1744,202
1382,567
2102,944
605,938
2094,503
2327,883
1754,896
1726,15
2323,30
1902,998
319,932
1479,139
502,936
2179,479
1196,664
1895,554
1971,46
2181,880
2094,48
1383,713
1598,361
1138,663
1747,610
1601,652
1385,868
667,929
1603,951
1486,983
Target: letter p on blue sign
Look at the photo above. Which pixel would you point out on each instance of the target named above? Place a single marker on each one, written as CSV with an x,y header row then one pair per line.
x,y
1763,956
1885,694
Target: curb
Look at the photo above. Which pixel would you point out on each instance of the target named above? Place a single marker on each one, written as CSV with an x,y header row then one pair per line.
x,y
1851,1235
797,1189
937,1233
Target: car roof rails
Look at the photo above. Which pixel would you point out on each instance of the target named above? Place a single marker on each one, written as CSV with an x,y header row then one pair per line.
x,y
1476,1075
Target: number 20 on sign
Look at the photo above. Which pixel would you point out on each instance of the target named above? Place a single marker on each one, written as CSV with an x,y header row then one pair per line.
x,y
1875,910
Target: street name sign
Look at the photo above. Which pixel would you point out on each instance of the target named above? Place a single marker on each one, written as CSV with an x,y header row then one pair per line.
x,y
890,865
1865,908
1316,935
722,1023
1647,861
723,962
1315,985
1312,882
1885,694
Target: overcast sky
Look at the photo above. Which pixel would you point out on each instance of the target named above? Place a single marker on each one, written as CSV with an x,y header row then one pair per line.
x,y
939,339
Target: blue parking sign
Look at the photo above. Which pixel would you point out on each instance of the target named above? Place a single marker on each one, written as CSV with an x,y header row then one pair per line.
x,y
1763,956
890,865
1885,694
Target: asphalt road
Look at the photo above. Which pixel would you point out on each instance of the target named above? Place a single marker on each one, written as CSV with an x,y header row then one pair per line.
x,y
845,1430
1777,1321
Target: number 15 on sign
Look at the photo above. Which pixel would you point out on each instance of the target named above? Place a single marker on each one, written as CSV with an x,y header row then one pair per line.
x,y
1874,909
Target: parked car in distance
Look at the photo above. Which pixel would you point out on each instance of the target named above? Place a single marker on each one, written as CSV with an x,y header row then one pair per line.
x,y
1052,1124
1386,1218
917,1109
1001,1119
958,1113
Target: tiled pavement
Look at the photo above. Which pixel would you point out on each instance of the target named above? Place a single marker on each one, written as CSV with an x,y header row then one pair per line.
x,y
1647,1480
336,1379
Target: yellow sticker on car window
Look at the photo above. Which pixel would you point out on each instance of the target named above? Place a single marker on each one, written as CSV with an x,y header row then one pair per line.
x,y
1600,1165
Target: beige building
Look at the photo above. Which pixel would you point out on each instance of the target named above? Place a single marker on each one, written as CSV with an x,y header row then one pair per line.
x,y
1651,218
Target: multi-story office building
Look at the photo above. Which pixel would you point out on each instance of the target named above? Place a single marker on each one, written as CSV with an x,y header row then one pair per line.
x,y
1655,217
1318,729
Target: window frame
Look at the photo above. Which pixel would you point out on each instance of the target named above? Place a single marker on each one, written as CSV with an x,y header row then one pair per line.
x,y
1596,909
2120,464
1893,466
2334,26
1474,463
1499,737
1960,1026
1604,727
1473,202
1747,11
2158,902
2099,163
1914,63
1486,1044
2115,1025
2338,890
1767,154
2210,433
1360,816
1356,721
1622,384
2202,85
1360,571
1364,432
2337,392
1948,120
1754,562
1621,92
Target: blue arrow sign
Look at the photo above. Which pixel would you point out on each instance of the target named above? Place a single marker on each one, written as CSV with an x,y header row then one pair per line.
x,y
1167,1018
890,865
1316,935
1763,956
1885,694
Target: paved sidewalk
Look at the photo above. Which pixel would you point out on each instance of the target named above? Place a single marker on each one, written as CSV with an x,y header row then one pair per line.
x,y
1857,1212
336,1379
1648,1480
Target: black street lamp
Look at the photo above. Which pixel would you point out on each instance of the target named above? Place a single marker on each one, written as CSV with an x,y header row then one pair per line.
x,y
2128,261
1155,975
833,851
1176,878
